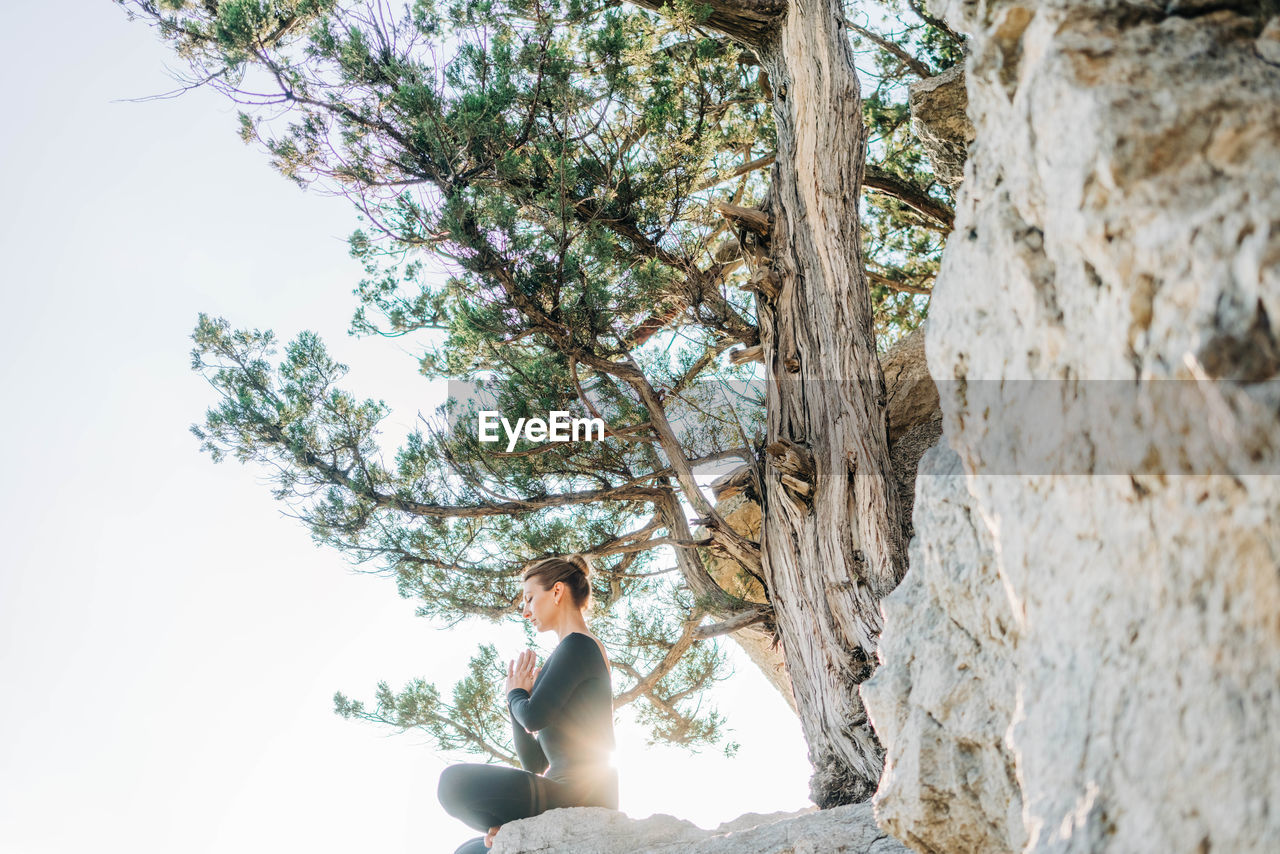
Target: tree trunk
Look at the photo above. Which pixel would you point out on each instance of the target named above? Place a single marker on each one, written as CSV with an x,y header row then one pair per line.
x,y
832,543
832,536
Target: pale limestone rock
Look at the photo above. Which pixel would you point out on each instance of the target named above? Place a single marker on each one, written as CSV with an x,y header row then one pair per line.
x,y
912,413
943,696
939,121
911,396
742,512
592,830
1268,43
1119,225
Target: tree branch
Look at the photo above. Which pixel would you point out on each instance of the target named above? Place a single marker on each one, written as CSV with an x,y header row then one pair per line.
x,y
942,217
745,168
749,21
752,219
896,285
646,684
733,624
917,67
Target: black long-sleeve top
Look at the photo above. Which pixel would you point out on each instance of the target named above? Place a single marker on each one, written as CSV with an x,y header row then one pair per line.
x,y
571,710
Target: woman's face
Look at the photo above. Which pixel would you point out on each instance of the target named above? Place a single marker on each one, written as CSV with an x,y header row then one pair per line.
x,y
539,605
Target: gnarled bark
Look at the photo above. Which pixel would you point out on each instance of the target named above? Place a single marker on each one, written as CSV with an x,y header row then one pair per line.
x,y
914,422
833,544
832,553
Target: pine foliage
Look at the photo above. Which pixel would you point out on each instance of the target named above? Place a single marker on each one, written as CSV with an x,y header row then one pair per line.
x,y
538,182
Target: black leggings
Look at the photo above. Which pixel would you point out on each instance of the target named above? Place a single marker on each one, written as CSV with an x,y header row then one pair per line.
x,y
485,796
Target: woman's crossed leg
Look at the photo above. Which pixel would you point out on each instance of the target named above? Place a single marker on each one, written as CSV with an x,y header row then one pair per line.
x,y
488,796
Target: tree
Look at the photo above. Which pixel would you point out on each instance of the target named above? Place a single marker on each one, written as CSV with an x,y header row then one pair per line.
x,y
592,175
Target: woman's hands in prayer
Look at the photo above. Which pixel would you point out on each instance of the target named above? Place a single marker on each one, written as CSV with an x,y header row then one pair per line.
x,y
521,672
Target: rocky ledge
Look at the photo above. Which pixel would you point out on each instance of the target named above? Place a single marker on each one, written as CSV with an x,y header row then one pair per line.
x,y
593,830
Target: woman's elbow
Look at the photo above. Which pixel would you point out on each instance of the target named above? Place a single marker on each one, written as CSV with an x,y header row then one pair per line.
x,y
533,722
532,718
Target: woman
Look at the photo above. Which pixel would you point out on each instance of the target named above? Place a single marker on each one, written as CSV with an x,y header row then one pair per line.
x,y
568,703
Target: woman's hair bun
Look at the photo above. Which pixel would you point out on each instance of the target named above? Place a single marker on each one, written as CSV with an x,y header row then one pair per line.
x,y
581,562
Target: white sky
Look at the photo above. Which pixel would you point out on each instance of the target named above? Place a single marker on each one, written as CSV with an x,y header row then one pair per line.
x,y
169,642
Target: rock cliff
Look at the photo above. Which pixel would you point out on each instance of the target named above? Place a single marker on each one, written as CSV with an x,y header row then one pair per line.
x,y
943,696
1086,652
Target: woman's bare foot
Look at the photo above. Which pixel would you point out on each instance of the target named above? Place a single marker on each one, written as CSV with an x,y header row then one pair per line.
x,y
488,837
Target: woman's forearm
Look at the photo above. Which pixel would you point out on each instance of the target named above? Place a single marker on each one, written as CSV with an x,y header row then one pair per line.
x,y
532,758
